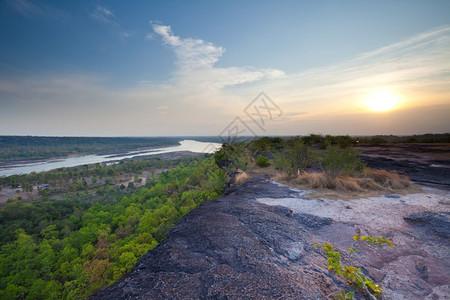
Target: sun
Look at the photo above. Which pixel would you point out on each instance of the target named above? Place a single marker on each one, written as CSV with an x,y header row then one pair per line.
x,y
381,101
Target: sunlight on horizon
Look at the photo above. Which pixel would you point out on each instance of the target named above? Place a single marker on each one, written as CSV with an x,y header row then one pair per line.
x,y
382,101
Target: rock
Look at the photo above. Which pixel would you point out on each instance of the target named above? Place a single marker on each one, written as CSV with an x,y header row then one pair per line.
x,y
394,196
426,164
311,221
440,292
232,248
235,247
439,223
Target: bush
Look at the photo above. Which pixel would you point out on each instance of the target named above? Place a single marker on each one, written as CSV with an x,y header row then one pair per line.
x,y
316,140
262,161
295,158
231,157
323,142
336,162
265,145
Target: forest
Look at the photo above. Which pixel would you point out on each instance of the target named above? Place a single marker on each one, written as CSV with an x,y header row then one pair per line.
x,y
90,224
68,249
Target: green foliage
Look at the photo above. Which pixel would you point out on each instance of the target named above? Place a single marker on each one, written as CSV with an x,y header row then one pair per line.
x,y
74,179
379,241
265,145
337,161
316,140
295,157
323,142
262,161
68,249
353,274
344,296
231,157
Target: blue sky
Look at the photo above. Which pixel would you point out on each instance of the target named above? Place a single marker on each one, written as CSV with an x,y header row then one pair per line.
x,y
190,67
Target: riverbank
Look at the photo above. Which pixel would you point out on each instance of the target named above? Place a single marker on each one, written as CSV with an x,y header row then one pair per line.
x,y
56,190
51,164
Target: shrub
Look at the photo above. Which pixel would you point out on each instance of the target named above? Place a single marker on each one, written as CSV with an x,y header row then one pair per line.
x,y
296,157
336,162
262,161
231,157
316,140
265,144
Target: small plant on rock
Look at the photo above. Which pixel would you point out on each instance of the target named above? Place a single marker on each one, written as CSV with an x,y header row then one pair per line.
x,y
354,275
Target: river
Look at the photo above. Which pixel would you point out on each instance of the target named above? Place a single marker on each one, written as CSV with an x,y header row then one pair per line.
x,y
51,164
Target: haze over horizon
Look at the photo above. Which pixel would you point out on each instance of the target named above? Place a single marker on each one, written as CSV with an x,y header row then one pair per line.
x,y
177,68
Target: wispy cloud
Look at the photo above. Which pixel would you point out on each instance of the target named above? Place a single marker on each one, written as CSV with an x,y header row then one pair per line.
x,y
417,67
162,109
29,9
202,98
106,16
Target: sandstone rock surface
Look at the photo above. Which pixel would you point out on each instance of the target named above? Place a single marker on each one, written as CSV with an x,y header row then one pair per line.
x,y
256,243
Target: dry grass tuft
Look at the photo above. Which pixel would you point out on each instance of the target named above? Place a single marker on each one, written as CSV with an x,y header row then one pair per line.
x,y
241,178
388,179
371,183
347,183
313,180
281,177
322,180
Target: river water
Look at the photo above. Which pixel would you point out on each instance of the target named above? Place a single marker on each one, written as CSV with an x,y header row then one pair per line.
x,y
47,165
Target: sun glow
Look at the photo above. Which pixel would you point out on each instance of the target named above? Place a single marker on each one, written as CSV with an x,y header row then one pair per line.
x,y
382,101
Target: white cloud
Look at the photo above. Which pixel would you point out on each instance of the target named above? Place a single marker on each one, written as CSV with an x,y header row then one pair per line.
x,y
202,98
196,58
191,53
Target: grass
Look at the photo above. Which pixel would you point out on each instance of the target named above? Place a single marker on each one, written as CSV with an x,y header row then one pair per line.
x,y
334,172
386,179
241,178
370,183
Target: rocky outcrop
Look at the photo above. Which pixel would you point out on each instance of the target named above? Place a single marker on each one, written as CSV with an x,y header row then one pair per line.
x,y
233,248
426,164
256,243
432,223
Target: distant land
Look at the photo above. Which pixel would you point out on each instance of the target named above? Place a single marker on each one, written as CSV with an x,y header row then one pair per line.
x,y
20,148
26,148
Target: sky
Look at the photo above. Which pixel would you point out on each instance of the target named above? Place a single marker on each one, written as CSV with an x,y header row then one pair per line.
x,y
186,68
